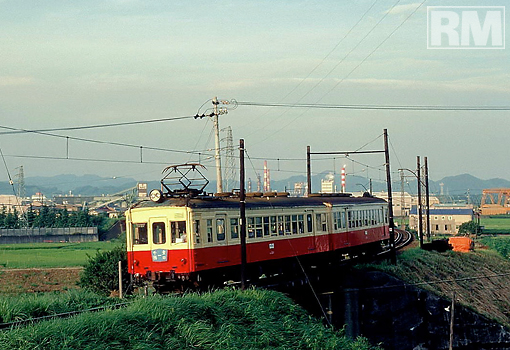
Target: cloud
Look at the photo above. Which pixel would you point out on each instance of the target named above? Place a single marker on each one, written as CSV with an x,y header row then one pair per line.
x,y
401,9
15,81
467,85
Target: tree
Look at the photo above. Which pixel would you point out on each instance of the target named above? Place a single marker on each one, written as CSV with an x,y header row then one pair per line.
x,y
12,219
470,227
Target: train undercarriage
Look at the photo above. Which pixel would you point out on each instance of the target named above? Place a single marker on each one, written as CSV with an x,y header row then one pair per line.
x,y
282,272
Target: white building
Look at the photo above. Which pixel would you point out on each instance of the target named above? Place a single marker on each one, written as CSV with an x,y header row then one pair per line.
x,y
328,184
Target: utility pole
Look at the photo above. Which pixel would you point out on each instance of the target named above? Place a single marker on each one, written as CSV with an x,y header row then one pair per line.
x,y
427,199
402,199
419,208
242,209
452,318
219,179
393,256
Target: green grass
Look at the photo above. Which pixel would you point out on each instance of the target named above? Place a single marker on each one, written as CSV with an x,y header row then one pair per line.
x,y
479,278
501,244
495,225
225,319
26,306
48,255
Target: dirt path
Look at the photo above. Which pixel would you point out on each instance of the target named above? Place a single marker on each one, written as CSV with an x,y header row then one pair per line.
x,y
15,281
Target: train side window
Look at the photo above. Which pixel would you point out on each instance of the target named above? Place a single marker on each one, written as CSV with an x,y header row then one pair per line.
x,y
220,229
349,218
309,223
196,229
318,226
258,226
140,233
234,228
274,226
266,225
301,223
280,226
158,233
294,225
287,225
365,217
251,227
209,230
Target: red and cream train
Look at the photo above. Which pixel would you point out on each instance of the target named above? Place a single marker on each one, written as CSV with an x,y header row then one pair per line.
x,y
184,241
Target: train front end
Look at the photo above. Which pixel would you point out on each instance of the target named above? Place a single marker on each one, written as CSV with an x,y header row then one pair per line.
x,y
158,245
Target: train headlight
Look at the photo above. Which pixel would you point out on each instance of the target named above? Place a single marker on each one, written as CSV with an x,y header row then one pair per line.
x,y
156,196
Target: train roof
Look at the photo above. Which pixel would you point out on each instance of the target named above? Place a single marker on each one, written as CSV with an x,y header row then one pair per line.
x,y
204,202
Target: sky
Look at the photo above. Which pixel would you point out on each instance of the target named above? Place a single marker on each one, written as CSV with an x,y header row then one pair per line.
x,y
74,63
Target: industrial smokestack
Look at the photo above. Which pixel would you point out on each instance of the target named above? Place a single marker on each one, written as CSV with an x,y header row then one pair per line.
x,y
343,179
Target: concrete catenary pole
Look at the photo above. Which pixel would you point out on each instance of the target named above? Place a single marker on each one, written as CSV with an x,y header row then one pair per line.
x,y
217,157
419,207
393,254
427,198
242,213
308,171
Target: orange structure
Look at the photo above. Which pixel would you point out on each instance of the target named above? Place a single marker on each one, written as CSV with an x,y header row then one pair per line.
x,y
461,244
495,201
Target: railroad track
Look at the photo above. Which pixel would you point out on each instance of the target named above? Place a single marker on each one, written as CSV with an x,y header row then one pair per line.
x,y
402,238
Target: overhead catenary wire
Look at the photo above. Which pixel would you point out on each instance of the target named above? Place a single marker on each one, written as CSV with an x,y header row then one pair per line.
x,y
98,126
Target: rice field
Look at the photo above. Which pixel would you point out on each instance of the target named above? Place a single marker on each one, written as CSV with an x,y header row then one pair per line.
x,y
495,225
49,255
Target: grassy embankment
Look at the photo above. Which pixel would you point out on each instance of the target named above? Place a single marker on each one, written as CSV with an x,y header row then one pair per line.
x,y
480,279
225,319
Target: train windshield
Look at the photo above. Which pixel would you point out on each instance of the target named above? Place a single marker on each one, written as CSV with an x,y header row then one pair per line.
x,y
178,230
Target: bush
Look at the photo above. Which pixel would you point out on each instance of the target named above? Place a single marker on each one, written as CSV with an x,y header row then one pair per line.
x,y
101,273
469,227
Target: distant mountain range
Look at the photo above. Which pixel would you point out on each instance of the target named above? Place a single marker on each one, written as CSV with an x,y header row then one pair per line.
x,y
88,185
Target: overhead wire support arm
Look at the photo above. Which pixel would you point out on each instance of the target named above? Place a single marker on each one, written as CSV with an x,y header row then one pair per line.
x,y
347,153
217,111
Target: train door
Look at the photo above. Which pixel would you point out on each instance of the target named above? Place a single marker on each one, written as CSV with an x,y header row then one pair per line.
x,y
310,229
158,239
221,238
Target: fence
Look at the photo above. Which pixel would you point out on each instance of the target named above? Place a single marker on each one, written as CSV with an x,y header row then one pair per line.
x,y
48,234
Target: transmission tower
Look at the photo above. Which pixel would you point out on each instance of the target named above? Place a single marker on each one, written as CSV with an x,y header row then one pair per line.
x,y
21,183
20,194
230,171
